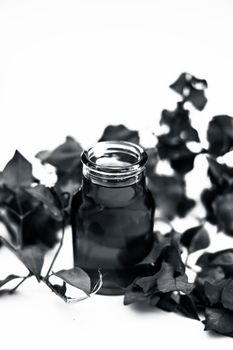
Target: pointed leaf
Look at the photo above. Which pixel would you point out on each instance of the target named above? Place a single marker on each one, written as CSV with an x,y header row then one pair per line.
x,y
213,291
18,172
174,149
195,238
134,295
76,277
220,135
219,320
169,195
147,283
167,302
119,133
227,295
167,283
64,157
46,196
223,209
192,89
187,307
179,123
33,259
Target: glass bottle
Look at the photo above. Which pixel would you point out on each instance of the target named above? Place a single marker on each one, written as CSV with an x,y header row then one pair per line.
x,y
112,213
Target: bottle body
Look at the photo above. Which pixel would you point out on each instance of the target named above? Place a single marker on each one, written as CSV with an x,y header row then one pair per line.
x,y
112,229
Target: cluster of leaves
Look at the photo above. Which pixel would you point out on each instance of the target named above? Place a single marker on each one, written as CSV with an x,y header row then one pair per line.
x,y
164,282
170,190
34,214
218,199
213,291
28,209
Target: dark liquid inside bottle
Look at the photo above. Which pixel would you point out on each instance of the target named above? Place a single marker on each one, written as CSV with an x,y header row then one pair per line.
x,y
112,230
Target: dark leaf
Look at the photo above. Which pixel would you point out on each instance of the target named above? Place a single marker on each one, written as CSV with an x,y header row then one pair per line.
x,y
8,279
134,294
69,182
159,243
209,274
39,227
219,320
76,277
223,209
147,283
169,195
179,123
167,302
227,295
220,175
195,238
187,307
167,283
220,135
47,197
213,291
33,258
18,172
171,254
66,158
6,194
191,89
119,133
184,206
222,258
59,290
154,299
38,224
208,197
175,150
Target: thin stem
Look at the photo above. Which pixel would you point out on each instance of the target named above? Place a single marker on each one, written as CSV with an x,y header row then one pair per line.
x,y
58,250
21,217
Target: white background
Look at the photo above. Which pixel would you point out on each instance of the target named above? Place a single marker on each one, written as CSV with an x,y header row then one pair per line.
x,y
71,68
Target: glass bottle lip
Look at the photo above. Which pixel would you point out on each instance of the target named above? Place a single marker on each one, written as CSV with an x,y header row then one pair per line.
x,y
110,162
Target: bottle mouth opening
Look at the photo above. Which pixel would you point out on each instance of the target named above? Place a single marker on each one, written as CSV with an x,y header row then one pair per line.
x,y
114,160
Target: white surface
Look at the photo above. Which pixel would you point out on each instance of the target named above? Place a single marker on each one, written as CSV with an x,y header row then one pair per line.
x,y
71,67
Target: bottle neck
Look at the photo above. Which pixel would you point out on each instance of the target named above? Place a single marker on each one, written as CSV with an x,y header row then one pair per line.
x,y
114,164
117,180
90,186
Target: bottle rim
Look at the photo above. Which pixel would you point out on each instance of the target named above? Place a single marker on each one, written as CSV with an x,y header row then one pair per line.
x,y
96,169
